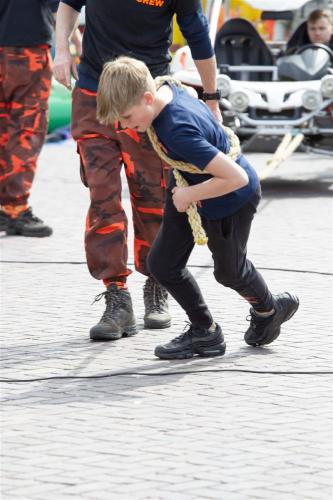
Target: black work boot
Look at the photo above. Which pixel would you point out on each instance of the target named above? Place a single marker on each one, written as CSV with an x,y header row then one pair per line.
x,y
118,319
265,330
156,305
195,340
27,224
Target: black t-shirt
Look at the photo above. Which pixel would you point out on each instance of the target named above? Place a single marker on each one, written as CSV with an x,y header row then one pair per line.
x,y
26,23
135,28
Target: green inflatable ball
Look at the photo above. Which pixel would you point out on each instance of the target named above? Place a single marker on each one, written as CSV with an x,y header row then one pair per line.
x,y
60,106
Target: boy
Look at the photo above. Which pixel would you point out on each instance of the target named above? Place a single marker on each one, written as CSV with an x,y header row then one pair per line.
x,y
320,27
227,195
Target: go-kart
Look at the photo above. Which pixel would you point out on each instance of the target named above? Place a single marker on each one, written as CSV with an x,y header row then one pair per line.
x,y
268,97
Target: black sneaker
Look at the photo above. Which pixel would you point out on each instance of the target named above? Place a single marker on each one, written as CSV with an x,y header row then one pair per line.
x,y
118,319
265,330
27,224
156,305
194,341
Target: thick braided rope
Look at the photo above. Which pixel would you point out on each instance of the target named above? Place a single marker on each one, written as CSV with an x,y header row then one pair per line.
x,y
198,231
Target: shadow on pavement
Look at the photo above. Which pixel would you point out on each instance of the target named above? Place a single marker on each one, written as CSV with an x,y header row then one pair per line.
x,y
283,188
124,384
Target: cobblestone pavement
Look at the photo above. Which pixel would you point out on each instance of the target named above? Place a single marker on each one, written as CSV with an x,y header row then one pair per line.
x,y
250,425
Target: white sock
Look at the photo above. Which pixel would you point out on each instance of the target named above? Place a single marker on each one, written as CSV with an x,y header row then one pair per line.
x,y
264,314
212,327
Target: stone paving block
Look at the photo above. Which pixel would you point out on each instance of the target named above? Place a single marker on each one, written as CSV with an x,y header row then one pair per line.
x,y
263,436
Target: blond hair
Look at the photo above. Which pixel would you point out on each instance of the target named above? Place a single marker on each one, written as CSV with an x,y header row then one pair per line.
x,y
122,85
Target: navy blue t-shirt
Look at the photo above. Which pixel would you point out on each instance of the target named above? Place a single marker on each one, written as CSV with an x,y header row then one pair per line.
x,y
189,132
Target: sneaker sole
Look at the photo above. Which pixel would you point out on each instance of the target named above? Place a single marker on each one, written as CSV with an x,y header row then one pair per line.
x,y
17,232
292,311
203,351
129,331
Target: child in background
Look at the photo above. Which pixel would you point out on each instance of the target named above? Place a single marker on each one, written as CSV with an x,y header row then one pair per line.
x,y
319,26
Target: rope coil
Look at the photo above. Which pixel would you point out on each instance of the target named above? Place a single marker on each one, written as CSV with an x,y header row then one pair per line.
x,y
194,218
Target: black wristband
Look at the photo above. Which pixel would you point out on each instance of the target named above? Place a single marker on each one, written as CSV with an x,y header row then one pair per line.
x,y
215,96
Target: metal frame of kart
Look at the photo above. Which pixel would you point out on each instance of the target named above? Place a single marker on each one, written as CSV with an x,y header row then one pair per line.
x,y
262,126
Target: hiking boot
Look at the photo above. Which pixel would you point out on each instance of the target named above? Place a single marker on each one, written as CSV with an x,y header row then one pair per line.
x,y
27,224
118,319
194,341
156,305
265,330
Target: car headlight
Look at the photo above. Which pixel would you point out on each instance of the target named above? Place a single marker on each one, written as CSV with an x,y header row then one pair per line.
x,y
311,99
239,100
326,87
223,84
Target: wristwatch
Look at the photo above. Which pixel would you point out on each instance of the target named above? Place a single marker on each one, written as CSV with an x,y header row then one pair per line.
x,y
215,96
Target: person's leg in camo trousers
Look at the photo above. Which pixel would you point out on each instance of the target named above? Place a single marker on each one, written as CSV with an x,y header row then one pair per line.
x,y
103,151
25,82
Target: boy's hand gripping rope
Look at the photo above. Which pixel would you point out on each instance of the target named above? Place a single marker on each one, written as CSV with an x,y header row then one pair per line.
x,y
198,231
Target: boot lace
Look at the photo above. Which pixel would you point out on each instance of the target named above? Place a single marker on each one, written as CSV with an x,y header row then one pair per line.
x,y
155,296
113,300
257,323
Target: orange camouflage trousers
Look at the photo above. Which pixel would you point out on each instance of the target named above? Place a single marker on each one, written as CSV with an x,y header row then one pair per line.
x,y
103,151
25,81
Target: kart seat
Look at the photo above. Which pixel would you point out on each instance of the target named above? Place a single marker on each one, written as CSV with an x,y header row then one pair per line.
x,y
238,43
298,38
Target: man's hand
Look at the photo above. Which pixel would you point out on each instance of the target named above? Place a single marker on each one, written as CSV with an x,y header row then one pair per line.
x,y
215,109
181,198
64,66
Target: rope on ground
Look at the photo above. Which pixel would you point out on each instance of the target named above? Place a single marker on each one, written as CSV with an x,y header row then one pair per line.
x,y
198,231
285,149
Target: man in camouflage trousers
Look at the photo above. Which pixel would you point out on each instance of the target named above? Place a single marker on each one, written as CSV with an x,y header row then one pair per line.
x,y
25,82
102,154
142,29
